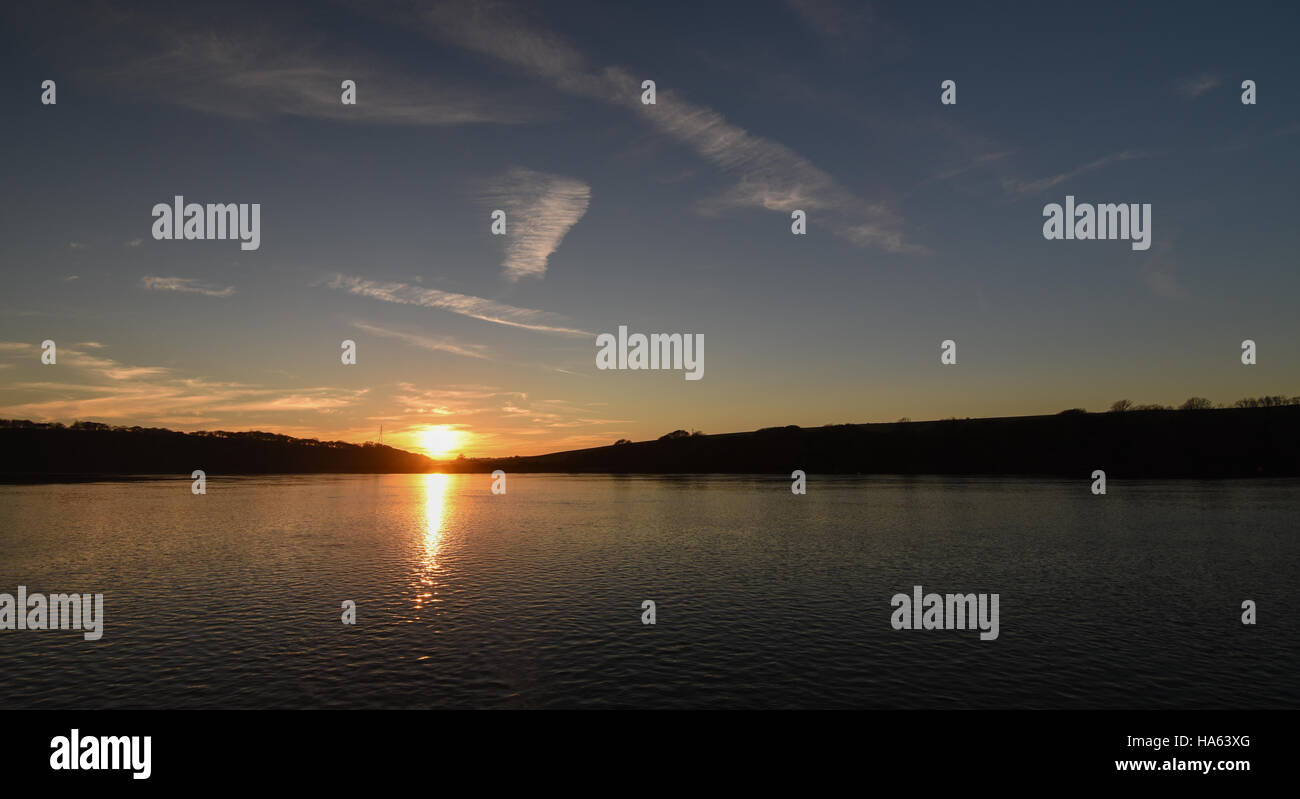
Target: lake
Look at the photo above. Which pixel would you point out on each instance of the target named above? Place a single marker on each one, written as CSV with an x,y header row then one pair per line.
x,y
762,598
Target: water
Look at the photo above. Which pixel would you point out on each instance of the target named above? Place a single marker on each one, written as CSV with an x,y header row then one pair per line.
x,y
764,599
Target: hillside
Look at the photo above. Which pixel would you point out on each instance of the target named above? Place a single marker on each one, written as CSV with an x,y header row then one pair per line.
x,y
30,449
1232,442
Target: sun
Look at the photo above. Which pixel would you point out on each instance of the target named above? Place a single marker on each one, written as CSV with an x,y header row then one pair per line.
x,y
439,441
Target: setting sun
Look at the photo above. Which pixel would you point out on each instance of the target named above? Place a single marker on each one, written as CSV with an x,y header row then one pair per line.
x,y
441,440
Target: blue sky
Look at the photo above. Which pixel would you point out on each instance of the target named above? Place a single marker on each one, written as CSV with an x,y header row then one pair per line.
x,y
924,220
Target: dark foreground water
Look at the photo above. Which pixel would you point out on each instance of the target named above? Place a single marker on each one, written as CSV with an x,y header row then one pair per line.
x,y
764,599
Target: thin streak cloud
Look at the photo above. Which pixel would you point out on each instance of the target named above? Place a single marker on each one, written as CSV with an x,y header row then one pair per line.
x,y
1042,184
425,342
187,285
463,304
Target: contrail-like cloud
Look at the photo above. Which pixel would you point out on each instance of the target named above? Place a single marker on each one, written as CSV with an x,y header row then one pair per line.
x,y
425,342
463,304
1042,184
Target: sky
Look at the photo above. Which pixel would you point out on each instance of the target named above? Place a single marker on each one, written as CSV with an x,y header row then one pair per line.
x,y
924,219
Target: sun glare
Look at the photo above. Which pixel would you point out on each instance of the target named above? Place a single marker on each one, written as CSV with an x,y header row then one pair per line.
x,y
440,441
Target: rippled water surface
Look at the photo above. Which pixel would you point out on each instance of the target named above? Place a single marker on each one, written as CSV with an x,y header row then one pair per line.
x,y
765,599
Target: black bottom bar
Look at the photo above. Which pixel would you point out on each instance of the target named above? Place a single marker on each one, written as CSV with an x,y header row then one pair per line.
x,y
457,750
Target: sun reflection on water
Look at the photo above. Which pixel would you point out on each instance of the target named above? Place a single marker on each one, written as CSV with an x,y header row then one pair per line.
x,y
435,520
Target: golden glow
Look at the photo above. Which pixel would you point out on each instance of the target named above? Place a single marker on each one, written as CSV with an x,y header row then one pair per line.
x,y
440,441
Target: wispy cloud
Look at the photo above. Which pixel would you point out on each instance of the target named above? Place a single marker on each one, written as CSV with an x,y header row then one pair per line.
x,y
833,19
461,400
1195,87
425,342
186,284
851,27
973,163
1042,184
540,209
253,71
463,304
1160,270
171,402
769,175
981,160
321,400
100,366
95,387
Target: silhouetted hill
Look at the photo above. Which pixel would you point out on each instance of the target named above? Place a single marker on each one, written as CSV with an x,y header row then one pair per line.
x,y
1234,442
36,450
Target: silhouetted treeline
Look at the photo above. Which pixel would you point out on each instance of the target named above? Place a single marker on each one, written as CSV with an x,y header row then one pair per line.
x,y
1203,404
88,448
1235,442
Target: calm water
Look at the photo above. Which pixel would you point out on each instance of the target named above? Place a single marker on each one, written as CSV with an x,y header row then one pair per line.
x,y
765,599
